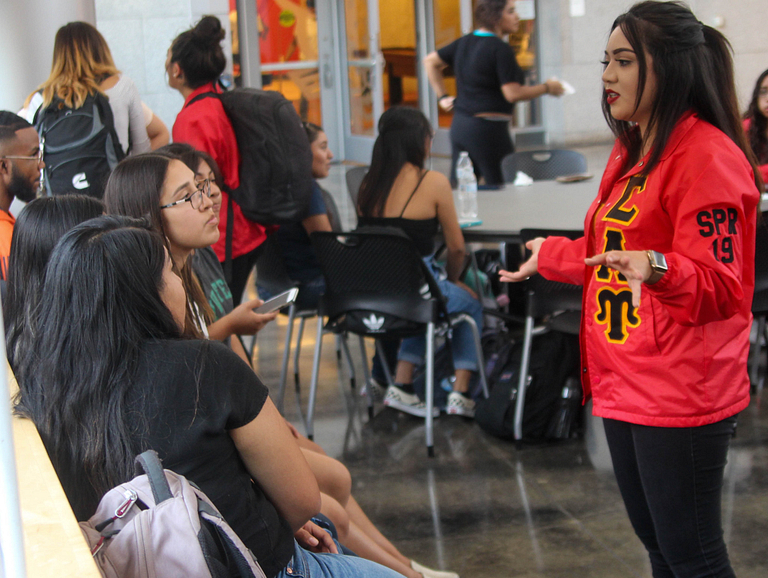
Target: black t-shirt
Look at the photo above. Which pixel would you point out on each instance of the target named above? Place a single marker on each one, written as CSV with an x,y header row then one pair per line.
x,y
190,394
481,65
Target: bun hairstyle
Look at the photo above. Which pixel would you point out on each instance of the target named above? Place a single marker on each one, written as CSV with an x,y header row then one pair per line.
x,y
694,71
758,124
198,52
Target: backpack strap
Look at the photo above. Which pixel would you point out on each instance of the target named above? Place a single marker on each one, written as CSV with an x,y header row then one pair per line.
x,y
153,467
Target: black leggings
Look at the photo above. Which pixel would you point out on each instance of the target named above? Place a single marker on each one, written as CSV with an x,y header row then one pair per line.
x,y
671,481
486,141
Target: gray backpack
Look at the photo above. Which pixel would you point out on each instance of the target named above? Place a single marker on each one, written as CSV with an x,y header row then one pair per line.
x,y
160,524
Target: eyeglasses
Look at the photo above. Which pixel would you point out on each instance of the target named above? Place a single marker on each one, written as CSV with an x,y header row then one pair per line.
x,y
38,157
195,199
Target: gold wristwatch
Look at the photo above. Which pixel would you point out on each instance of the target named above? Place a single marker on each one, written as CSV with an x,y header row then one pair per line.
x,y
658,266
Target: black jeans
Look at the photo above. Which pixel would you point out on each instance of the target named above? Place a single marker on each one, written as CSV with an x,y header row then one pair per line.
x,y
671,481
486,141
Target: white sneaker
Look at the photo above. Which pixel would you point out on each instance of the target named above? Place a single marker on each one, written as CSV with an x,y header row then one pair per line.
x,y
459,404
430,573
378,390
407,402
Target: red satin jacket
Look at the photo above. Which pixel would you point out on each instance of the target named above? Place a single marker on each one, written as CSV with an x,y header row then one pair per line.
x,y
680,358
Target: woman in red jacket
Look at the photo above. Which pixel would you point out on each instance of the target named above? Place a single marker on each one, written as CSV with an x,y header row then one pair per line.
x,y
667,265
195,63
756,123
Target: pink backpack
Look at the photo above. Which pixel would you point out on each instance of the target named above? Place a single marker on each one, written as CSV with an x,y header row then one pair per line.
x,y
159,524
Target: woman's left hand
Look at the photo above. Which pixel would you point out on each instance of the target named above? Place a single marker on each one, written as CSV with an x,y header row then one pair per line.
x,y
313,538
634,265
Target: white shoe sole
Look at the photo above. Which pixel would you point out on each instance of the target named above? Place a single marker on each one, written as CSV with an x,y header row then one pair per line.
x,y
409,409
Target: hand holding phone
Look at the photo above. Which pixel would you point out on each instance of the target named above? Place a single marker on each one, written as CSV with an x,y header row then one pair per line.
x,y
278,302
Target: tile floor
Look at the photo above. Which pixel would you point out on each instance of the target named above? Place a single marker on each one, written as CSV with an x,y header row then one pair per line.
x,y
483,507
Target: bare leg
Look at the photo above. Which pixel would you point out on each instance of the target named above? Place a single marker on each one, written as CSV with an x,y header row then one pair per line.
x,y
332,476
404,372
364,524
462,380
362,545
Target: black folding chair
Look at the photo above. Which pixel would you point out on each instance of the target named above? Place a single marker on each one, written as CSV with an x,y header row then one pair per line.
x,y
272,276
543,165
558,304
377,285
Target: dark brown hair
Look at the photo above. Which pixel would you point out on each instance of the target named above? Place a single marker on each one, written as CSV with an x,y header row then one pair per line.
x,y
488,12
199,53
694,72
758,125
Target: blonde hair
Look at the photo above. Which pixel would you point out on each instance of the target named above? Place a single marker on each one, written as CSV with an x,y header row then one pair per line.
x,y
81,61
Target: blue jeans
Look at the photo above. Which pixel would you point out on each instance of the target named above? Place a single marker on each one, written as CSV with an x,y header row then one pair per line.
x,y
671,481
462,344
306,564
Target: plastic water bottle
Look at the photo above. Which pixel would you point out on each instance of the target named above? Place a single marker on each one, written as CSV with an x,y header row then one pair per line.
x,y
465,175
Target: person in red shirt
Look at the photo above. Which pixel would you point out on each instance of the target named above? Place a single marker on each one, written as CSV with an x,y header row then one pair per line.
x,y
194,64
20,166
667,265
756,123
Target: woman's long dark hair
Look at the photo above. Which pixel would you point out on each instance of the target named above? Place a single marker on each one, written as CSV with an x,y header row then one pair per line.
x,y
758,126
101,300
37,230
199,53
403,138
134,189
694,71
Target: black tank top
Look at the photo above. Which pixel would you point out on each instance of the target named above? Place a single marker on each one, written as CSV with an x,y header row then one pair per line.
x,y
421,231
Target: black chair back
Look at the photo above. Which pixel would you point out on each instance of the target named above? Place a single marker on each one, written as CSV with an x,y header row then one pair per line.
x,y
376,282
545,296
543,165
355,178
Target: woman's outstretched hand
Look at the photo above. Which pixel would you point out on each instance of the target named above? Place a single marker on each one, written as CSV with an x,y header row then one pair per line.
x,y
530,267
634,265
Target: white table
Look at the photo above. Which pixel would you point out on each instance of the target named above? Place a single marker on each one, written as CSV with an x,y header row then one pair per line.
x,y
542,205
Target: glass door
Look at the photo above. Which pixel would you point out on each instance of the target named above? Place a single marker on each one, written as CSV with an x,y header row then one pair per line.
x,y
362,64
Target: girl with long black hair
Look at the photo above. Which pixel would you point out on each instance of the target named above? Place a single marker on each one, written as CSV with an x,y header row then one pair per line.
x,y
667,265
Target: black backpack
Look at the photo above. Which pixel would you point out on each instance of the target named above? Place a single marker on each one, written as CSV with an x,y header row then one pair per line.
x,y
275,155
547,412
80,146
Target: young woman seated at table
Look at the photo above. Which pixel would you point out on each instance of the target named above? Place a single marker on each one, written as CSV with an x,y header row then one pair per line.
x,y
126,369
399,192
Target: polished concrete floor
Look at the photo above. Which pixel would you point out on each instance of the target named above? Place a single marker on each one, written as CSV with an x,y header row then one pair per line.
x,y
483,507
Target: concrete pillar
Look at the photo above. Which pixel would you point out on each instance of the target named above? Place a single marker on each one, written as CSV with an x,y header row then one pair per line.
x,y
27,30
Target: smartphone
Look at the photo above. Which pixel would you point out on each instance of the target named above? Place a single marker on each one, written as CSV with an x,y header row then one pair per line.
x,y
278,302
